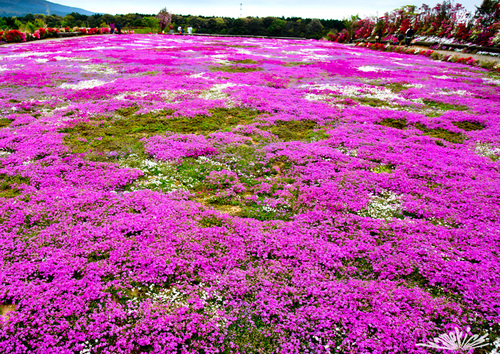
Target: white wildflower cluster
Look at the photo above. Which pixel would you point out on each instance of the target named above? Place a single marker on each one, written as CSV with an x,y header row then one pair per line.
x,y
454,93
368,68
244,51
490,53
435,39
175,298
209,161
172,296
82,85
198,76
100,69
385,205
381,93
491,81
71,59
486,150
216,92
162,176
443,77
127,96
347,151
220,59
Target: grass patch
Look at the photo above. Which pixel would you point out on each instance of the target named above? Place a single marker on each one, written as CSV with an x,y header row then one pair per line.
x,y
468,125
383,169
244,61
297,63
252,334
5,122
293,130
394,123
372,102
233,69
8,185
441,133
444,106
240,46
395,87
123,135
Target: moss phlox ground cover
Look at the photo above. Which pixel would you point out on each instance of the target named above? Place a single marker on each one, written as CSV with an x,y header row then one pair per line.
x,y
230,195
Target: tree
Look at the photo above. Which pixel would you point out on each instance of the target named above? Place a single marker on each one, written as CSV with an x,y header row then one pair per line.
x,y
256,26
164,18
488,12
68,21
350,25
39,23
277,27
151,22
3,24
314,29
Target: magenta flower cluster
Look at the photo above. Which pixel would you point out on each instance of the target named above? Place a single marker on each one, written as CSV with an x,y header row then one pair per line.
x,y
175,147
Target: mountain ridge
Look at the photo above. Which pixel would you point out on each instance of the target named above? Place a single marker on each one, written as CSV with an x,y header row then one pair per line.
x,y
9,8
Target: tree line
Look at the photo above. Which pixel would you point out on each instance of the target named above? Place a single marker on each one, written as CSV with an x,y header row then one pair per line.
x,y
265,26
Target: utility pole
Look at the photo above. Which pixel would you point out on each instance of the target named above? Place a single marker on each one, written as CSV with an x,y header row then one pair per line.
x,y
241,10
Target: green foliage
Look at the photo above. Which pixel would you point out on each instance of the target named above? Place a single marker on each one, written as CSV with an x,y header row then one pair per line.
x,y
123,134
68,21
394,123
244,61
293,130
9,185
468,125
371,101
253,334
5,122
39,23
487,64
383,169
152,22
395,87
441,133
277,27
315,29
444,106
295,27
234,69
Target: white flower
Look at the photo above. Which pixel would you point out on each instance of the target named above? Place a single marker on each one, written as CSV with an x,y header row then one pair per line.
x,y
457,340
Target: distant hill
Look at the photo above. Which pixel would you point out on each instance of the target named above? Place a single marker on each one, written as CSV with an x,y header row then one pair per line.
x,y
9,8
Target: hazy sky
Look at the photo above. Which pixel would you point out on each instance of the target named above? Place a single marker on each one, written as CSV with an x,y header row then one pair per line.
x,y
325,9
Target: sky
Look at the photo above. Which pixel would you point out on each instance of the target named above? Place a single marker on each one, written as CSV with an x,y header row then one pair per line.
x,y
323,9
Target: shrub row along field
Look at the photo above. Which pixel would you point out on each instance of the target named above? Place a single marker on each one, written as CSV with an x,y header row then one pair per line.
x,y
204,195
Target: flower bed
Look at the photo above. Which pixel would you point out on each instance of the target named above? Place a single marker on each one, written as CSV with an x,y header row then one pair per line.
x,y
186,195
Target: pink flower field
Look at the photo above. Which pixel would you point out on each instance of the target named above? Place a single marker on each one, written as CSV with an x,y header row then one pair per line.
x,y
170,194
